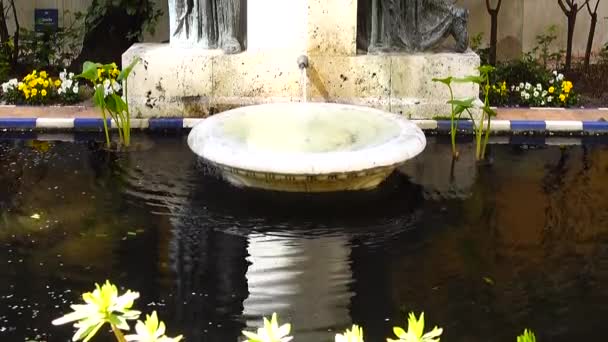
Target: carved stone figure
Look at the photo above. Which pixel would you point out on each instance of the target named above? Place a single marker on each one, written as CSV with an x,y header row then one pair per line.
x,y
206,23
410,25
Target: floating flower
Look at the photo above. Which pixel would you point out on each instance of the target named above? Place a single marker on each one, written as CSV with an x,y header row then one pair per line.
x,y
152,330
271,332
103,305
355,334
415,331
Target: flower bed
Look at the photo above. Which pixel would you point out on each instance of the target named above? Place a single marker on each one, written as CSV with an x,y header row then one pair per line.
x,y
555,92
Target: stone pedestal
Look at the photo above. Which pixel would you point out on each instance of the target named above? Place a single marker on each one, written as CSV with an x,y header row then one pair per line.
x,y
195,82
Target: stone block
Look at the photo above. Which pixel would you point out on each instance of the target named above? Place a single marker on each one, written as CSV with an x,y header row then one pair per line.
x,y
362,80
328,36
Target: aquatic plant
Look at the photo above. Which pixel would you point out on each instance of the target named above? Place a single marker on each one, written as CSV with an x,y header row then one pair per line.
x,y
105,306
270,332
415,331
106,79
355,334
481,128
454,116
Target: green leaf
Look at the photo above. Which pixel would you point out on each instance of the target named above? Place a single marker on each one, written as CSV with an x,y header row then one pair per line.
x,y
486,69
471,78
89,71
99,97
446,81
489,111
464,103
124,74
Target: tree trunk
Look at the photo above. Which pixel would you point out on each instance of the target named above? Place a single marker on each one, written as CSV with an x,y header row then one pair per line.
x,y
590,40
493,36
16,35
4,36
571,24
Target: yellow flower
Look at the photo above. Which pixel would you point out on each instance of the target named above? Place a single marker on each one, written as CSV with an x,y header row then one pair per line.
x,y
57,83
43,74
32,83
26,93
43,93
34,92
353,335
551,89
415,331
115,72
40,80
46,84
27,78
21,86
562,97
34,73
503,86
99,71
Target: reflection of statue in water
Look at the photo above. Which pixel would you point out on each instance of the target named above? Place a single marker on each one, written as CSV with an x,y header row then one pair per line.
x,y
410,25
206,23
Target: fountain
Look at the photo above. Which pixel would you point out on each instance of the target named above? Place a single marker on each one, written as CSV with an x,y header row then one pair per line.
x,y
281,127
306,147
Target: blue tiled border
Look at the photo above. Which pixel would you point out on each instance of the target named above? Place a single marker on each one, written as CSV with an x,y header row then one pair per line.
x,y
514,127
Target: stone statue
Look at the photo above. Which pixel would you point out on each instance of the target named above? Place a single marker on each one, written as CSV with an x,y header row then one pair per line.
x,y
410,25
206,23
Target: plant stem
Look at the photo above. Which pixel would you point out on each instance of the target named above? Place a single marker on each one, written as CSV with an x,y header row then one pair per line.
x,y
105,126
453,125
128,123
119,336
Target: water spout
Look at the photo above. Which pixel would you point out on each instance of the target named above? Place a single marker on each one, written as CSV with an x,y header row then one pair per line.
x,y
303,65
303,62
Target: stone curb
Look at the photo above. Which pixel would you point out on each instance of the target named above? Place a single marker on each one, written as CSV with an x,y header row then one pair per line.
x,y
546,127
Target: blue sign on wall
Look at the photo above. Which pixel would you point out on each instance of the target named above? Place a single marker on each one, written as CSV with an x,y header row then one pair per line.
x,y
46,19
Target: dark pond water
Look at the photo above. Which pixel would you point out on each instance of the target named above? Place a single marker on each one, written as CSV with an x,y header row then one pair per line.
x,y
484,251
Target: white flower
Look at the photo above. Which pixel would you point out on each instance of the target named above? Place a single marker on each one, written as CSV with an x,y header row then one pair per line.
x,y
271,332
551,81
528,86
544,93
75,89
513,88
521,85
71,75
151,331
67,83
536,93
539,86
560,77
10,85
353,335
550,98
517,88
527,97
116,86
554,72
523,94
542,103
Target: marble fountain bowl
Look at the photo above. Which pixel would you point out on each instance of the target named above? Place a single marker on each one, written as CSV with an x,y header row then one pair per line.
x,y
306,147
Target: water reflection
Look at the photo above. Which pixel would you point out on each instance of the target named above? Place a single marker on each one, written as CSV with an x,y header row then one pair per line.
x,y
484,251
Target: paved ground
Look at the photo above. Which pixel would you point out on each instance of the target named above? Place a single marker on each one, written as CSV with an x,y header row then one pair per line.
x,y
503,113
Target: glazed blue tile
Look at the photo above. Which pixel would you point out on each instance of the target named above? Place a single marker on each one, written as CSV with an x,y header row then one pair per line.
x,y
17,123
89,123
528,125
595,126
173,123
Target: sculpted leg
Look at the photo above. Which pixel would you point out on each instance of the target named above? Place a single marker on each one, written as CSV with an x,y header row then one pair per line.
x,y
229,14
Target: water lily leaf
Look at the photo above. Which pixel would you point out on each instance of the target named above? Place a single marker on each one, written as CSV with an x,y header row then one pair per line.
x,y
89,71
471,78
124,74
446,81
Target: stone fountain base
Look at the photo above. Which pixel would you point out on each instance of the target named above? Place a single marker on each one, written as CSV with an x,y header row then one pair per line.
x,y
182,82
